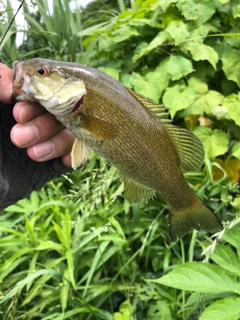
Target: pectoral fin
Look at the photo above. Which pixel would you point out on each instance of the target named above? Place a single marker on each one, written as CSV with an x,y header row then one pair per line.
x,y
99,127
79,153
136,192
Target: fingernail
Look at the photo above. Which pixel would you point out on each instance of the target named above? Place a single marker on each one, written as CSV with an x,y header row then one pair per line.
x,y
25,135
44,149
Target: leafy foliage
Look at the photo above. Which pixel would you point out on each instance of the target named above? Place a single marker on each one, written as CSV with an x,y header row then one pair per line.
x,y
77,249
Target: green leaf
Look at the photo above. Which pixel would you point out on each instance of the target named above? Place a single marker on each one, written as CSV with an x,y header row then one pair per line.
x,y
19,286
153,84
225,309
198,85
123,33
236,9
178,31
215,142
226,258
236,150
231,65
231,236
165,3
178,97
196,10
144,48
204,103
200,277
232,104
64,290
110,71
179,67
201,51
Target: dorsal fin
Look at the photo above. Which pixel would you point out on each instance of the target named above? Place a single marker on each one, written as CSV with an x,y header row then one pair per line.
x,y
158,109
189,147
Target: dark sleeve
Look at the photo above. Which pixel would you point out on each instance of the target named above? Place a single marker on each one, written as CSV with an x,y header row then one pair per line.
x,y
20,175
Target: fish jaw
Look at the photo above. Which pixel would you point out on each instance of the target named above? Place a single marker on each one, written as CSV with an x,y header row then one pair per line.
x,y
20,83
57,94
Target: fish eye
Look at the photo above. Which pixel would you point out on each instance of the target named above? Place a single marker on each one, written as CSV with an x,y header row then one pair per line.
x,y
42,71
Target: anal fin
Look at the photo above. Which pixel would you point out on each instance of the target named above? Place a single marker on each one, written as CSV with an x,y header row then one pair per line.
x,y
136,192
79,154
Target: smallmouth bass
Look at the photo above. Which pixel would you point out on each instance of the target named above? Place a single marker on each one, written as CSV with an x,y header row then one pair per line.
x,y
119,125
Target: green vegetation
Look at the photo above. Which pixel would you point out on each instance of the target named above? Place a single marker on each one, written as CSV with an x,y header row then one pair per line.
x,y
77,249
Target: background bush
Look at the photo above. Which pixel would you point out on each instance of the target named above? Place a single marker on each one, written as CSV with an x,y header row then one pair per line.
x,y
76,249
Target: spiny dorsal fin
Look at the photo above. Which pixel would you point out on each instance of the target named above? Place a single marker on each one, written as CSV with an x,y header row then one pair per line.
x,y
79,154
158,109
189,147
136,192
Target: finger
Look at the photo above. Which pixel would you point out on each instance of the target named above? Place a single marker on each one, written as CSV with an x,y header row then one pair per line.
x,y
56,146
35,131
67,160
26,111
5,84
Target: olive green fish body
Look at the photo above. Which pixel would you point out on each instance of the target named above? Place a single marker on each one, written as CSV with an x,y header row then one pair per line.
x,y
119,125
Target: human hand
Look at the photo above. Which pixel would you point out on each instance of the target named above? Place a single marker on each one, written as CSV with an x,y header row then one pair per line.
x,y
36,130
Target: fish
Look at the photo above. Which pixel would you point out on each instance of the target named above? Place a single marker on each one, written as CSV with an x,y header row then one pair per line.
x,y
130,131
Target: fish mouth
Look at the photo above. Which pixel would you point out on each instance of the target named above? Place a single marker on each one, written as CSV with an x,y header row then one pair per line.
x,y
17,79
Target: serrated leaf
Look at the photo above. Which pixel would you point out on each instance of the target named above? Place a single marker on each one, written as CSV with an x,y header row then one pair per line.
x,y
226,258
178,31
153,84
179,67
177,98
144,48
231,65
198,85
232,104
215,142
196,10
225,309
201,51
123,33
204,103
200,277
165,3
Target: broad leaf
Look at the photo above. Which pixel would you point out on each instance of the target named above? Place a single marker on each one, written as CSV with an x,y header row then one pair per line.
x,y
232,104
201,51
225,309
144,48
236,150
178,31
196,10
153,84
200,277
231,65
226,258
204,103
179,67
178,97
215,142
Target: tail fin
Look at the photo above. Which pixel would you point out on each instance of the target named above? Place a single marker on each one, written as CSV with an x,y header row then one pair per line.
x,y
198,216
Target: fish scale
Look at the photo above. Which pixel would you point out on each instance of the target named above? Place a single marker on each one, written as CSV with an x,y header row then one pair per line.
x,y
120,126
